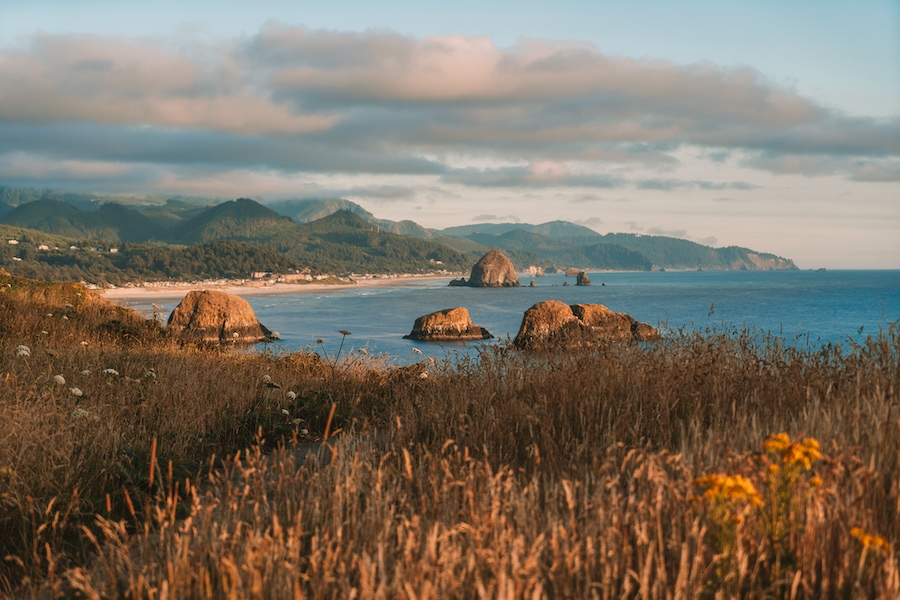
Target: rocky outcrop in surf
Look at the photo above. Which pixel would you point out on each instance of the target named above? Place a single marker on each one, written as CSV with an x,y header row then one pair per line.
x,y
214,316
448,325
494,269
553,324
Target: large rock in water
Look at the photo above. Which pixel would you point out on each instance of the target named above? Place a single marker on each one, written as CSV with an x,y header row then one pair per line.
x,y
448,325
555,325
213,316
494,270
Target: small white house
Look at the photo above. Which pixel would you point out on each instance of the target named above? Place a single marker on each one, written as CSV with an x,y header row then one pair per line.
x,y
13,242
43,247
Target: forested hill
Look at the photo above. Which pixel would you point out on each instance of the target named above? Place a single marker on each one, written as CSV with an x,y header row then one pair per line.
x,y
346,239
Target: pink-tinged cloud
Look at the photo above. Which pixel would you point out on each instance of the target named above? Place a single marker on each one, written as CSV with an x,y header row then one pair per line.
x,y
87,79
291,99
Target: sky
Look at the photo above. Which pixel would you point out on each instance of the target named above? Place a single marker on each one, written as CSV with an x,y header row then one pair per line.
x,y
771,125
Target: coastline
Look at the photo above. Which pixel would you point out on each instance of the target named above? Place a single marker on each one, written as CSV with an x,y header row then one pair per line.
x,y
167,290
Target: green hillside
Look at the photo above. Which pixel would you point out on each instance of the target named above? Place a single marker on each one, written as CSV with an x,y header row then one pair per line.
x,y
337,236
674,253
344,242
240,219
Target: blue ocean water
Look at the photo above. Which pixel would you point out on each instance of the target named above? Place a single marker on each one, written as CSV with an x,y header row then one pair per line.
x,y
809,308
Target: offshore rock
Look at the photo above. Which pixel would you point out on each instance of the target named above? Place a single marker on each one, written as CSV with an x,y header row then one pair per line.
x,y
214,316
555,325
448,325
461,282
582,279
494,269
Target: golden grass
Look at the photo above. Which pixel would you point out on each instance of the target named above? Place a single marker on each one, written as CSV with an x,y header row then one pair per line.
x,y
584,474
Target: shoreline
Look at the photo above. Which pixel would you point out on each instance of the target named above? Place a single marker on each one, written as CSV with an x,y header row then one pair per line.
x,y
151,291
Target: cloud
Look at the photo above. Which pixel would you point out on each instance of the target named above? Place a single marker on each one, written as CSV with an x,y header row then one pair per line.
x,y
592,222
292,100
536,174
679,184
495,219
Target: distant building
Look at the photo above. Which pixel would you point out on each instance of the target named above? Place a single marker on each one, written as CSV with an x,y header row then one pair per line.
x,y
43,247
13,242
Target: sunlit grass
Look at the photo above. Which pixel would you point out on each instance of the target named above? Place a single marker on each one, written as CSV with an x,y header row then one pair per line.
x,y
706,465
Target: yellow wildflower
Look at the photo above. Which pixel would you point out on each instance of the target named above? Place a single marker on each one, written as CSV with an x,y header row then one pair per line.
x,y
804,453
868,540
777,442
729,488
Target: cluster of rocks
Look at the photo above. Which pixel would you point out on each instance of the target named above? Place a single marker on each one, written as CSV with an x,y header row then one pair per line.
x,y
547,325
214,316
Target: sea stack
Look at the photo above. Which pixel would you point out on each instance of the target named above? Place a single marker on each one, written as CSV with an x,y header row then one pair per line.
x,y
448,325
494,269
214,316
553,325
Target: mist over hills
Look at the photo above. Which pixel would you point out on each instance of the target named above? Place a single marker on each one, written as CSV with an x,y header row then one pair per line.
x,y
337,236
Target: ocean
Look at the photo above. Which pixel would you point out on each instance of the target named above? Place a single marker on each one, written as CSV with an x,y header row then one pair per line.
x,y
805,308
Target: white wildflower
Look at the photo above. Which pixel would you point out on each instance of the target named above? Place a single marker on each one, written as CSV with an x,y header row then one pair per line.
x,y
151,374
69,305
84,343
76,392
65,318
80,413
267,378
292,395
23,351
44,332
86,372
59,380
286,411
417,351
275,335
423,375
304,432
50,315
111,372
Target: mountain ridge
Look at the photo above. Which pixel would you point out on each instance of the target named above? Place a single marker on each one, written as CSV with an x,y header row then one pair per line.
x,y
366,243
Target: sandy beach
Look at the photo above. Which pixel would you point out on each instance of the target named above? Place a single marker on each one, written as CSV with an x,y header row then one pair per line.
x,y
153,291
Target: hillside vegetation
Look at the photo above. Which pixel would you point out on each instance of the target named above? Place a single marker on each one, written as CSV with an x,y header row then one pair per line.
x,y
340,237
702,466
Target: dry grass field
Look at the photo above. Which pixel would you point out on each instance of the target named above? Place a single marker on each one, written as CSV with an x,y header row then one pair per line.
x,y
707,465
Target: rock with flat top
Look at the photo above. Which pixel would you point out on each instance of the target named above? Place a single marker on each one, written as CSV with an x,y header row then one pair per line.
x,y
494,269
448,325
555,325
214,316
